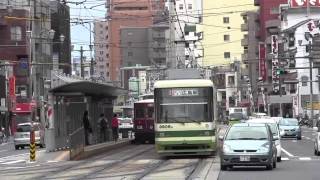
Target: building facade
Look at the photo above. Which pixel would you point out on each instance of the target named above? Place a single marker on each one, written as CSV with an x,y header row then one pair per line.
x,y
101,49
222,35
124,13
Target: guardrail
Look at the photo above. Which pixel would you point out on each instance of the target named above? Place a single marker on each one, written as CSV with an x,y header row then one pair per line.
x,y
76,143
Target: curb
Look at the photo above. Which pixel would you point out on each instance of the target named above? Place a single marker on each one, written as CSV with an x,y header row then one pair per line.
x,y
59,149
108,147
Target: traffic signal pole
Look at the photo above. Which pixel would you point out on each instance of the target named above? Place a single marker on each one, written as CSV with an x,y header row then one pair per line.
x,y
311,84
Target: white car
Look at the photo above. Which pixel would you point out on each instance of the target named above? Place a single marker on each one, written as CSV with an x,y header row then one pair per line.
x,y
317,143
275,131
125,123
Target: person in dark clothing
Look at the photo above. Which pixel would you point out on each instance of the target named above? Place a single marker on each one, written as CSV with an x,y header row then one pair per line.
x,y
103,127
115,127
86,126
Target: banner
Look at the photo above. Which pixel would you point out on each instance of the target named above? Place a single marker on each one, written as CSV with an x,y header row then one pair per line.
x,y
262,62
275,61
303,3
12,86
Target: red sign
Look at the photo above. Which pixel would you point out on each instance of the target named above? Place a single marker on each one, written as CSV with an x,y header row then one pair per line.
x,y
12,86
262,61
303,3
23,108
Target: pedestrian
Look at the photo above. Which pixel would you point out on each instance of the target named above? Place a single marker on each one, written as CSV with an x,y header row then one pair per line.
x,y
115,127
103,123
86,126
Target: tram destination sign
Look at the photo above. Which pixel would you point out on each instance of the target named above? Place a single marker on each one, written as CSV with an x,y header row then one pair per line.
x,y
184,92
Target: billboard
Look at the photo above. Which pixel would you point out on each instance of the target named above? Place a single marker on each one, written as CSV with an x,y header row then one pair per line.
x,y
275,61
303,3
262,61
12,86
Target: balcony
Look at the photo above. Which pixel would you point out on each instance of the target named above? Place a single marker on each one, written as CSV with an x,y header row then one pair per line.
x,y
244,58
273,25
158,55
244,27
157,35
244,42
257,2
159,45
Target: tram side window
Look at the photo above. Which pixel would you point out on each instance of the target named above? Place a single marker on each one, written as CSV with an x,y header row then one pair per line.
x,y
139,113
150,112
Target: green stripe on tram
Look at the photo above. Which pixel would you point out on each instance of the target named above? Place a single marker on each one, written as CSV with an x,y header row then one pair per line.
x,y
194,133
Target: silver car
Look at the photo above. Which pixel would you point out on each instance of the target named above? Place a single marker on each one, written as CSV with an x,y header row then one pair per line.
x,y
22,136
247,144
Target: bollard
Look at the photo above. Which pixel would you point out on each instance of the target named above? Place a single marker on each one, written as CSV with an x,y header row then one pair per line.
x,y
32,144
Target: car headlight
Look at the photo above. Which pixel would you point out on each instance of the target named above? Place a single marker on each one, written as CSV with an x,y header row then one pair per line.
x,y
264,148
227,149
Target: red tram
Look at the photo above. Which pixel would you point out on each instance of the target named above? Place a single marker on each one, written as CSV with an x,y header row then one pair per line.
x,y
144,121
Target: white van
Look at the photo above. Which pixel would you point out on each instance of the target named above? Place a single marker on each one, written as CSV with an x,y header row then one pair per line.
x,y
275,131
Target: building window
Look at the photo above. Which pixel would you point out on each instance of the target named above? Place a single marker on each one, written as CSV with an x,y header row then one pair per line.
x,y
226,37
189,6
129,44
130,33
227,55
304,80
107,55
181,6
130,54
101,66
101,73
101,52
226,20
107,64
107,74
16,33
187,45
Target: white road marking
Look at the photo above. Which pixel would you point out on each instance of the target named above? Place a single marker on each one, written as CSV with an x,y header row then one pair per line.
x,y
4,150
284,159
13,162
286,152
19,155
305,158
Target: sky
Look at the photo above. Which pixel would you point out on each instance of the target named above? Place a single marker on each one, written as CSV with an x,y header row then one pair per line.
x,y
82,12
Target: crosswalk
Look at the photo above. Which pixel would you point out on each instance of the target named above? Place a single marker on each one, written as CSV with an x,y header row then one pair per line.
x,y
22,158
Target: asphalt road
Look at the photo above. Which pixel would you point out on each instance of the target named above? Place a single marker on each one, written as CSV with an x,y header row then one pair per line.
x,y
298,163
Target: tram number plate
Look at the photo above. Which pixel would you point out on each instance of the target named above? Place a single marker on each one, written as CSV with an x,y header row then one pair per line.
x,y
139,127
245,158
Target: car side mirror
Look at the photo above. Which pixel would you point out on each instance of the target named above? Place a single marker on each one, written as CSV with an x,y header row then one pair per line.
x,y
220,138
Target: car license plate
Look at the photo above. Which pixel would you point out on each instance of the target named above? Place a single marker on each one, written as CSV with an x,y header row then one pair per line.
x,y
245,158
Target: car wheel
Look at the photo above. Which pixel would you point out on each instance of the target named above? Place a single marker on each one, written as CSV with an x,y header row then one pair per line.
x,y
279,159
42,145
16,147
22,147
223,167
270,166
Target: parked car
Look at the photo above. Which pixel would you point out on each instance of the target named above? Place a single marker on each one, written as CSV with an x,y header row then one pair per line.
x,y
236,118
275,132
125,123
22,136
289,127
248,144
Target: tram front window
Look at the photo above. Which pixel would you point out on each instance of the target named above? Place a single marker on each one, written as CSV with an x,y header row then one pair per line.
x,y
184,105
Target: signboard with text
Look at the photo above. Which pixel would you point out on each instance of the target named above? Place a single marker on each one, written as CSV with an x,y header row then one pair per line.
x,y
262,61
275,61
303,3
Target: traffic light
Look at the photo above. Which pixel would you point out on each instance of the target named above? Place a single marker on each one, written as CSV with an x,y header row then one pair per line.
x,y
281,71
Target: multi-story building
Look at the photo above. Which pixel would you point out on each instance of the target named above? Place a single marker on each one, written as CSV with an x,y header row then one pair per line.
x,y
300,34
185,17
222,35
125,13
76,67
60,23
101,49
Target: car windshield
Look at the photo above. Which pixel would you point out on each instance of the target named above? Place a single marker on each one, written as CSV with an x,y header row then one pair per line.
x,y
247,133
236,116
23,128
288,122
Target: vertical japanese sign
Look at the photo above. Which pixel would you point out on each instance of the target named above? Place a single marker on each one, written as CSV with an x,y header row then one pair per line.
x,y
12,86
275,61
262,61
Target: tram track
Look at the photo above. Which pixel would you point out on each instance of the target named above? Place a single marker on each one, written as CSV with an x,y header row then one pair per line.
x,y
79,165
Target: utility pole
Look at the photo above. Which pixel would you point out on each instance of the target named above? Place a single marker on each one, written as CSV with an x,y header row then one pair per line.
x,y
311,84
81,62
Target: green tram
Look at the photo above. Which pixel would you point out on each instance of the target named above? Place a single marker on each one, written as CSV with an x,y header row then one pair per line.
x,y
184,117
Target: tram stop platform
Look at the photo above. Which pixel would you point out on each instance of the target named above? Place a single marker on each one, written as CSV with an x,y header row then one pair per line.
x,y
96,149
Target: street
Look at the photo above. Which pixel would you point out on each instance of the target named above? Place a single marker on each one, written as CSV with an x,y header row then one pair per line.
x,y
142,162
298,162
